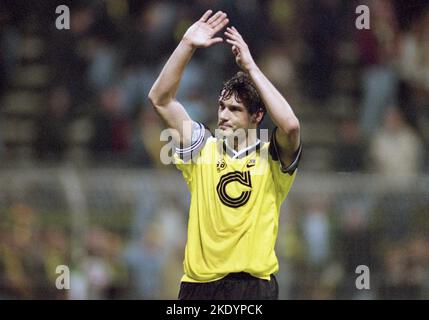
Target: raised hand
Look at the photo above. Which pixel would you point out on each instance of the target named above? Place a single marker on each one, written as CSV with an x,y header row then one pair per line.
x,y
239,49
200,34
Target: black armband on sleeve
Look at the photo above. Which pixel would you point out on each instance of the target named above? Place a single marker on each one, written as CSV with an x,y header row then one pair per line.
x,y
290,169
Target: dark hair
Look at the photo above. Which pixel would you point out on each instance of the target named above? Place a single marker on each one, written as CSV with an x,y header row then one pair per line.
x,y
244,91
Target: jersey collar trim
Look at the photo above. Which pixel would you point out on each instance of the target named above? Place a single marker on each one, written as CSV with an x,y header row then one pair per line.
x,y
242,153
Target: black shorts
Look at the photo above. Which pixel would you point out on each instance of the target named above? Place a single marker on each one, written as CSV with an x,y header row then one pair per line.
x,y
235,286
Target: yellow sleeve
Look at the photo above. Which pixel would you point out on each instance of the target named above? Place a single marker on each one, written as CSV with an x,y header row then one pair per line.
x,y
186,167
185,158
283,175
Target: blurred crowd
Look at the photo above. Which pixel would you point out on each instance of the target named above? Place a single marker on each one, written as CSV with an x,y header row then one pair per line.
x,y
321,243
95,111
106,263
29,254
101,70
326,239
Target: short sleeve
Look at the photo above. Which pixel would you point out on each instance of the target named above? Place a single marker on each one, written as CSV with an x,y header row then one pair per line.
x,y
283,174
185,158
285,168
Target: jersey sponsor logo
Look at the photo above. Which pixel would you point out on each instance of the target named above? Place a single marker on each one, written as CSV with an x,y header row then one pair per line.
x,y
243,178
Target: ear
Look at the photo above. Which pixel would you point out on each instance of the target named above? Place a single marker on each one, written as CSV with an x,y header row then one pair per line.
x,y
257,117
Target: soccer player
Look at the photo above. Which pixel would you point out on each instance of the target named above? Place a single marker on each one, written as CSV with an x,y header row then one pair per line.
x,y
236,191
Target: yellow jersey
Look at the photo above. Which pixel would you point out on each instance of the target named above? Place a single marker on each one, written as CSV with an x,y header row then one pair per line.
x,y
234,210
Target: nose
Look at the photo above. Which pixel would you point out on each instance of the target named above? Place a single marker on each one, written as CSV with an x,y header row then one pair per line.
x,y
223,114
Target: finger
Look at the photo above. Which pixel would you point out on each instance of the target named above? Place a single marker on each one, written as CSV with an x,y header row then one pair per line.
x,y
214,41
214,17
234,43
235,31
231,31
206,16
232,36
219,20
221,25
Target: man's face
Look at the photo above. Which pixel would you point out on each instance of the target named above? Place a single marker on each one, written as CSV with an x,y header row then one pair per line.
x,y
233,115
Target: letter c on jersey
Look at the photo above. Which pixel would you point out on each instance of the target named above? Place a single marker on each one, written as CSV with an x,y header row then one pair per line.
x,y
236,176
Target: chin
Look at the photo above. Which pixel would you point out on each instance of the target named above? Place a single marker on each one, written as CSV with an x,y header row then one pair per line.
x,y
225,132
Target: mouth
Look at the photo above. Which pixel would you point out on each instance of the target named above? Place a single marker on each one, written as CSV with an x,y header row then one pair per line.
x,y
224,126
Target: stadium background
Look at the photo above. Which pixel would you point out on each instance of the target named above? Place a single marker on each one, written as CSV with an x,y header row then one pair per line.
x,y
81,183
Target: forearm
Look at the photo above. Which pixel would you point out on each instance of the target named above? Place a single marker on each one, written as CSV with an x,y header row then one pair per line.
x,y
277,107
165,87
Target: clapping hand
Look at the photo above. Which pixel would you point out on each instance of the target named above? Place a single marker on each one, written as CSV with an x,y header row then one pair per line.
x,y
201,33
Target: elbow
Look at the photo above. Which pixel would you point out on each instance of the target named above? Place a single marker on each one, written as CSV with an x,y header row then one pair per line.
x,y
291,126
152,98
157,100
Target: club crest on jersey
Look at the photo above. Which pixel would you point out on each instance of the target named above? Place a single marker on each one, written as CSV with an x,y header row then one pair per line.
x,y
221,165
243,178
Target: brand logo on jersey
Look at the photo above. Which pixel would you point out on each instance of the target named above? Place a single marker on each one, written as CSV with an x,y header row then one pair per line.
x,y
221,164
251,163
243,178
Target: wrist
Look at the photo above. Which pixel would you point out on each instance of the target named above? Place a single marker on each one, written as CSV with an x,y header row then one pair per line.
x,y
187,43
250,69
